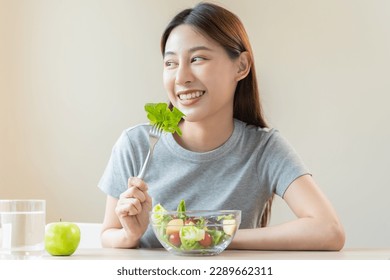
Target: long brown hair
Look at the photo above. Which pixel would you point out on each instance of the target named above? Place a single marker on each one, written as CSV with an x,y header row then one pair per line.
x,y
227,29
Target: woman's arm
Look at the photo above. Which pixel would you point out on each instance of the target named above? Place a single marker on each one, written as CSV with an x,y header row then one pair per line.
x,y
126,219
317,226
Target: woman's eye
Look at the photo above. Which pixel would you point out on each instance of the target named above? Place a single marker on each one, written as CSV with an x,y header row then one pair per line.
x,y
197,58
169,63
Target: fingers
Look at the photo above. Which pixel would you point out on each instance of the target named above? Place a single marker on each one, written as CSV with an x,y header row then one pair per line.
x,y
134,192
128,207
137,188
148,203
137,182
135,199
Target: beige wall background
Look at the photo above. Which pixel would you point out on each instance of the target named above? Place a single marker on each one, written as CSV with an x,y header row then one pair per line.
x,y
74,74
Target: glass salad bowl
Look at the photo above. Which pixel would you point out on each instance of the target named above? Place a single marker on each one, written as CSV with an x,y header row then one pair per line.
x,y
195,232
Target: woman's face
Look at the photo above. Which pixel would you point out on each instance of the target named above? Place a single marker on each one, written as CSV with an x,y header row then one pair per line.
x,y
199,76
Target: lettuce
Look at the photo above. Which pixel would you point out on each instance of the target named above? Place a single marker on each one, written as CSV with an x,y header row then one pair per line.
x,y
225,217
216,235
181,209
160,114
159,214
189,236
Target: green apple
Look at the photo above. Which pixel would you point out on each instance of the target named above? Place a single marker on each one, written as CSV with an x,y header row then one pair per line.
x,y
62,238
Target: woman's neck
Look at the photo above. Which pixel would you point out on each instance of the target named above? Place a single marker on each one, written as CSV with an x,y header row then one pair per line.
x,y
204,136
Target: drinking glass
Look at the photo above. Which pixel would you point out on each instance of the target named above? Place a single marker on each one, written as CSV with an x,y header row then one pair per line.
x,y
22,228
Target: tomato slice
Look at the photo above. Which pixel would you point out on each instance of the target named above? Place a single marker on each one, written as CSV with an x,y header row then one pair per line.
x,y
174,239
206,241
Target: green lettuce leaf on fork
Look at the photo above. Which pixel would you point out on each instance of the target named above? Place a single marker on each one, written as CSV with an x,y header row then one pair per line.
x,y
160,114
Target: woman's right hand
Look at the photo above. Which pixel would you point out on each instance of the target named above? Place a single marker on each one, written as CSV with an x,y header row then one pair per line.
x,y
133,208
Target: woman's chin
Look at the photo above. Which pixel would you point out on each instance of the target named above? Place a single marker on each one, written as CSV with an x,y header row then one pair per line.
x,y
192,113
188,113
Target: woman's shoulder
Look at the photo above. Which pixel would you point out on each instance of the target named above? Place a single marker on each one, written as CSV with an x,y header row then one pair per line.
x,y
256,132
142,128
134,134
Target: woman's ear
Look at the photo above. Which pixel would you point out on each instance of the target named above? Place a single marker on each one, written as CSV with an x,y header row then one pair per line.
x,y
244,66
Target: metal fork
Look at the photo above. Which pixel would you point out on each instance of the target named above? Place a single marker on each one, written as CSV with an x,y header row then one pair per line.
x,y
154,134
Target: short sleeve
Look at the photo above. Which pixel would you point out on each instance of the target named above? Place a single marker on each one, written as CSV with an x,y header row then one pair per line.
x,y
114,179
280,164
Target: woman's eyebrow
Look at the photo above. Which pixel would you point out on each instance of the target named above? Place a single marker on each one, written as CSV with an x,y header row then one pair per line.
x,y
191,50
199,48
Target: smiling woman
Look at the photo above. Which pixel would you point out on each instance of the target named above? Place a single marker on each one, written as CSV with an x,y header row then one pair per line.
x,y
226,158
72,76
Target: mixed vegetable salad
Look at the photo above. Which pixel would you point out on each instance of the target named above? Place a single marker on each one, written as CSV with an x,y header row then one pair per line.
x,y
185,231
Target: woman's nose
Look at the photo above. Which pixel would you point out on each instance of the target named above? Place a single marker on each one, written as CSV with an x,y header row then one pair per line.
x,y
184,75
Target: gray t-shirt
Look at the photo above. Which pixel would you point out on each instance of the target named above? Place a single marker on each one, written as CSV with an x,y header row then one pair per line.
x,y
242,174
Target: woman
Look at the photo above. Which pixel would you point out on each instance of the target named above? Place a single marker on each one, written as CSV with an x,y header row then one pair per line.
x,y
227,158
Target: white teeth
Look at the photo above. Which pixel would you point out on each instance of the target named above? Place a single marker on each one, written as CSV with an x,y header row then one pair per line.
x,y
187,96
